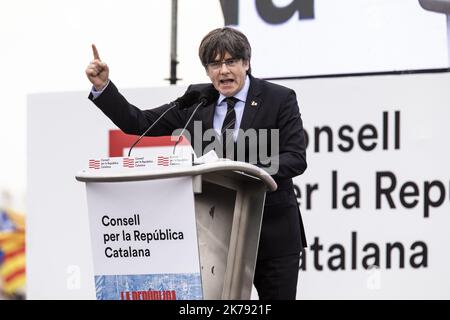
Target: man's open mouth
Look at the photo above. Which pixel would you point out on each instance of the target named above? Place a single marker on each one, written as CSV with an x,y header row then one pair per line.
x,y
226,81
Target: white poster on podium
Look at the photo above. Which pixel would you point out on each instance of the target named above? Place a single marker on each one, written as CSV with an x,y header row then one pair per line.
x,y
144,240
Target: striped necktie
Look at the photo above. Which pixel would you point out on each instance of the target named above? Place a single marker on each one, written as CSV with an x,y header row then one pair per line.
x,y
229,123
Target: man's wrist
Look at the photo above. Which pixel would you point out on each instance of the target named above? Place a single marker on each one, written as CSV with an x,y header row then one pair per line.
x,y
102,87
96,92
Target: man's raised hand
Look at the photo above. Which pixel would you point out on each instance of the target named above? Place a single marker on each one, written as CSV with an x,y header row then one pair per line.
x,y
97,71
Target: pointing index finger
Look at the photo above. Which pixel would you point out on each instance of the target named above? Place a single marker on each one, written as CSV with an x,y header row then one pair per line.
x,y
95,51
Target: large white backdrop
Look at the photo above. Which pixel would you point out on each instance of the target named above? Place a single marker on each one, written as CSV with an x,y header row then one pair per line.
x,y
336,37
377,189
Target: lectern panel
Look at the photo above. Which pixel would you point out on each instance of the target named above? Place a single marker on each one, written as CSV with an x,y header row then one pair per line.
x,y
214,209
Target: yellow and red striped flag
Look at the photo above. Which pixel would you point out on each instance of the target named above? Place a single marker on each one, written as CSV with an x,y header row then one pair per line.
x,y
12,252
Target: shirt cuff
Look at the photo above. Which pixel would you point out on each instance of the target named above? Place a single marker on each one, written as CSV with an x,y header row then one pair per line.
x,y
95,93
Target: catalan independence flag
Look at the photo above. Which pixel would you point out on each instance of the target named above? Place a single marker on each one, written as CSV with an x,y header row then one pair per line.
x,y
12,253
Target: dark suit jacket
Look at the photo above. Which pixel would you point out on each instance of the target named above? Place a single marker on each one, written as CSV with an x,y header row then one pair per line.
x,y
268,106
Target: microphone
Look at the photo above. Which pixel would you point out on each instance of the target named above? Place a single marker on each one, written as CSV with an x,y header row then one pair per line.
x,y
187,100
183,102
207,96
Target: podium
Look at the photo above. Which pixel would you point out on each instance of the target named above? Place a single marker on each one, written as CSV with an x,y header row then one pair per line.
x,y
228,201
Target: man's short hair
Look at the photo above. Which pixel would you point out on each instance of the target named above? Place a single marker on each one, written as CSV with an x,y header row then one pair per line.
x,y
222,40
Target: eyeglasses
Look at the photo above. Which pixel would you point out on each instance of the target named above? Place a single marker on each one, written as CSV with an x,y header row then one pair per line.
x,y
216,65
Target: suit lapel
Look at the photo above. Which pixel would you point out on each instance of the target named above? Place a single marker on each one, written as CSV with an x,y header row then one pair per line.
x,y
207,115
252,105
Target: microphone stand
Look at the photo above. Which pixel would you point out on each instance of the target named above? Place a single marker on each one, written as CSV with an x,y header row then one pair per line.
x,y
203,102
153,124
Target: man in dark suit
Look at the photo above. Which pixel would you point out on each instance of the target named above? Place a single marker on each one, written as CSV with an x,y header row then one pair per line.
x,y
244,103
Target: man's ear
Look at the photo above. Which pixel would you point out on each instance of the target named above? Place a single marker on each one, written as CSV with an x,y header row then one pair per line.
x,y
246,64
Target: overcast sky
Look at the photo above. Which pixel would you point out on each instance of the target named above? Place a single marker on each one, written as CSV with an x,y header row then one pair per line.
x,y
46,48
